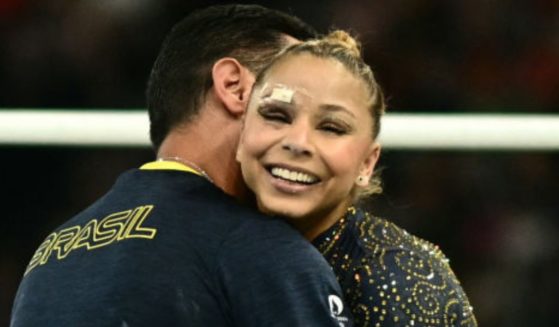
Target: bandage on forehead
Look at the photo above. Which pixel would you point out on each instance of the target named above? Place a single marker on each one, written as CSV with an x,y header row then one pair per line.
x,y
284,94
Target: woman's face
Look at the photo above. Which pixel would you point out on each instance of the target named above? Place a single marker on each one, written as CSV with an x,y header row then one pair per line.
x,y
306,139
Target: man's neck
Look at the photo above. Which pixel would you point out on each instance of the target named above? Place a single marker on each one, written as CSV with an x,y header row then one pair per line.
x,y
213,153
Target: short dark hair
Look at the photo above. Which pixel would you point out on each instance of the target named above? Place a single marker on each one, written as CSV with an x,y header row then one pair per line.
x,y
181,74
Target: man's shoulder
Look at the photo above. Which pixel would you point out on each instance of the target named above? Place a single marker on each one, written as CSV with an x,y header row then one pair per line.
x,y
261,238
186,194
179,203
259,231
179,199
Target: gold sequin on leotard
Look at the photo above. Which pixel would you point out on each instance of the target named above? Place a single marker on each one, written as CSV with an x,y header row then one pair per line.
x,y
392,278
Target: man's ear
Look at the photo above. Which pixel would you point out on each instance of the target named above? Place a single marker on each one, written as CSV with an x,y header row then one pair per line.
x,y
232,83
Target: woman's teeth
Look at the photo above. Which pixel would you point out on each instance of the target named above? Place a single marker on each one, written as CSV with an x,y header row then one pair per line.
x,y
293,176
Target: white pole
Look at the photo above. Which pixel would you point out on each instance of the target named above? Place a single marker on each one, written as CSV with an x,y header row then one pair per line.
x,y
80,128
514,132
471,132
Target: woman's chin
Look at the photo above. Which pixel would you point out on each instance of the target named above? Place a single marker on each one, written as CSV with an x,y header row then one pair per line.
x,y
287,212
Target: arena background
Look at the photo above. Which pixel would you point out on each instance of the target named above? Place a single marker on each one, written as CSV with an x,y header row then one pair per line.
x,y
494,213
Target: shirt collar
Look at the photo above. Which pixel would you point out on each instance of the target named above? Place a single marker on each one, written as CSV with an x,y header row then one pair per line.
x,y
169,165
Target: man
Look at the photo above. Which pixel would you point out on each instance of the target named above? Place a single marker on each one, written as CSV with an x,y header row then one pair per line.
x,y
166,246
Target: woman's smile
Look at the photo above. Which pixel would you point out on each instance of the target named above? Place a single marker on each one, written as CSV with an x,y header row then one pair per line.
x,y
291,180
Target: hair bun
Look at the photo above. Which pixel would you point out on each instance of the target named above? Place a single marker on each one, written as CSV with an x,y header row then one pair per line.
x,y
346,40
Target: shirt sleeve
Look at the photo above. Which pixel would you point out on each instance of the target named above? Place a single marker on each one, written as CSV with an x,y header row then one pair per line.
x,y
400,288
271,276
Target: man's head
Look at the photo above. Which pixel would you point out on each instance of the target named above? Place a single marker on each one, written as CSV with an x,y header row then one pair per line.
x,y
182,73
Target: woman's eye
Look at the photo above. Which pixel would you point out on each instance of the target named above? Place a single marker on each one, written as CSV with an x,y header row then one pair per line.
x,y
334,129
274,114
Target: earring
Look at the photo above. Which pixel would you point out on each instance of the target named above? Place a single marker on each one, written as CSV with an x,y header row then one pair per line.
x,y
362,180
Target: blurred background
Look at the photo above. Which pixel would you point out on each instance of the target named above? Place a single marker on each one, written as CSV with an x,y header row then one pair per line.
x,y
493,213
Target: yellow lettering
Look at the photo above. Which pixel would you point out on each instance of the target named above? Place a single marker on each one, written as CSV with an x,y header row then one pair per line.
x,y
41,252
64,241
115,227
84,238
111,227
129,224
135,229
48,250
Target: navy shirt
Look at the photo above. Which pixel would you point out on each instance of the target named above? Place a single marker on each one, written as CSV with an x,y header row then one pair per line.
x,y
168,248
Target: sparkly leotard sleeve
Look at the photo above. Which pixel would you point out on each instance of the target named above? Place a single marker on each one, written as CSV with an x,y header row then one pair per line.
x,y
392,278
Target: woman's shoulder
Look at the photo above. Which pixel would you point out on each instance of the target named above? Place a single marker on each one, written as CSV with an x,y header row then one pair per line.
x,y
391,250
378,235
401,276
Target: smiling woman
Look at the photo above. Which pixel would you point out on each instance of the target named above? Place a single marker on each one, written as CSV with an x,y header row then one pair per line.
x,y
308,151
320,125
306,142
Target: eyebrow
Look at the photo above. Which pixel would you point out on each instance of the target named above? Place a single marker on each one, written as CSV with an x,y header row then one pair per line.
x,y
336,108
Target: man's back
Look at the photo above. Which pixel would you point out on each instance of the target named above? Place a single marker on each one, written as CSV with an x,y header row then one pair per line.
x,y
166,247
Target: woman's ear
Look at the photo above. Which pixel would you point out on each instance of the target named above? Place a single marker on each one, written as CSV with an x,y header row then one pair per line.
x,y
232,83
368,165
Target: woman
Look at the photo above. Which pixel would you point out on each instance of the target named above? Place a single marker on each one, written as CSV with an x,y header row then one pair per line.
x,y
308,151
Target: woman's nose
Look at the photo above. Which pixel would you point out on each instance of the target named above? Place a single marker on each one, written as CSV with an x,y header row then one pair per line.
x,y
297,139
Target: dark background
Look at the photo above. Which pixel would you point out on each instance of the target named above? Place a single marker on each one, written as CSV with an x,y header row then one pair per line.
x,y
493,213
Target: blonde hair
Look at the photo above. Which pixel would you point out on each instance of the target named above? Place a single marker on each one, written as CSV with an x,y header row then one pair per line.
x,y
341,46
345,40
